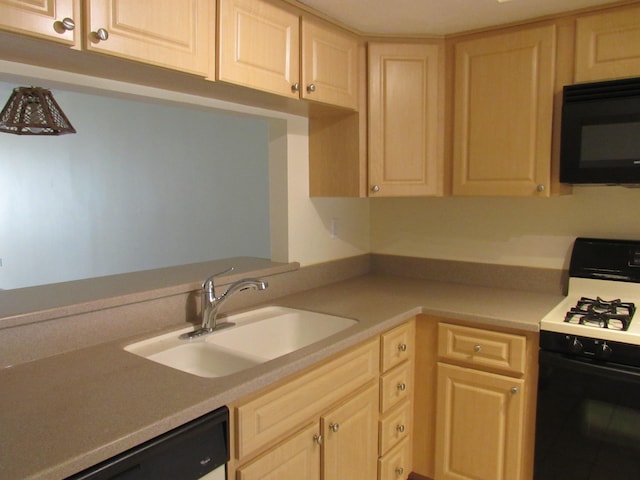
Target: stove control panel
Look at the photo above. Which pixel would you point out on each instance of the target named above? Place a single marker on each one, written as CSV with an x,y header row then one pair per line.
x,y
590,348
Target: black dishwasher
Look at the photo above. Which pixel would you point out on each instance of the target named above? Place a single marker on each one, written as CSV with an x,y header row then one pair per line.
x,y
198,449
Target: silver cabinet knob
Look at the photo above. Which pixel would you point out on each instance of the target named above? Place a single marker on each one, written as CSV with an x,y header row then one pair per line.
x,y
400,428
334,427
375,188
402,347
295,87
317,439
399,471
514,390
100,34
402,387
477,348
68,24
540,188
311,88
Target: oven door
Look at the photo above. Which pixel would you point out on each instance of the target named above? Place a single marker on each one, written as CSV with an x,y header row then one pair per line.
x,y
588,420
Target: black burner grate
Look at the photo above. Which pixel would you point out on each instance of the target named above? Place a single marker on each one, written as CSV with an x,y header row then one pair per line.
x,y
612,314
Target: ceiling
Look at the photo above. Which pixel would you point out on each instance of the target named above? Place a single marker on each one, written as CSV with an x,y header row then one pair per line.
x,y
439,17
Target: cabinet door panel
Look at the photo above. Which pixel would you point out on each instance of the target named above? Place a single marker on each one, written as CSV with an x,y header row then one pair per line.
x,y
294,459
405,136
350,433
41,18
330,64
608,45
259,46
503,111
160,32
479,425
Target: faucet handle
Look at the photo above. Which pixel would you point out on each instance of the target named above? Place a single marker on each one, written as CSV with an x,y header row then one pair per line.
x,y
208,286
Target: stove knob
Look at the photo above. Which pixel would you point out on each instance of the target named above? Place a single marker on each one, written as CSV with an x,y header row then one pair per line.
x,y
575,346
603,351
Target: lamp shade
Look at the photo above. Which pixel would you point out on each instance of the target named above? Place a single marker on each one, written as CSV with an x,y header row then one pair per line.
x,y
33,111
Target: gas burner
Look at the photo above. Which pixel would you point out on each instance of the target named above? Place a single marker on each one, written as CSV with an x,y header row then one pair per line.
x,y
611,314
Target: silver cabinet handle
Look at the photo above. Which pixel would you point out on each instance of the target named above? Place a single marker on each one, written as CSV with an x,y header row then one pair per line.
x,y
311,88
334,427
477,348
402,347
402,387
399,471
514,390
375,188
317,439
400,428
540,188
100,34
295,87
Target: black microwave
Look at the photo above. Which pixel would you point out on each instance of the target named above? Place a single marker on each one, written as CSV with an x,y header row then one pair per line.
x,y
600,136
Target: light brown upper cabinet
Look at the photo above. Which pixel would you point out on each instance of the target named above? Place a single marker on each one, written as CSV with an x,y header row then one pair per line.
x,y
260,45
503,109
57,20
166,33
405,119
608,45
329,64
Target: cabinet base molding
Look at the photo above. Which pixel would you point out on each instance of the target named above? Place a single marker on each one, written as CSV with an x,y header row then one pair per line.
x,y
417,476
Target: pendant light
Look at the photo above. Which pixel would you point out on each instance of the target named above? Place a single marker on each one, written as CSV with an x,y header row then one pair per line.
x,y
33,111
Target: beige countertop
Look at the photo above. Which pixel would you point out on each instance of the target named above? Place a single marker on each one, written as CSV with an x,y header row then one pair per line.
x,y
64,413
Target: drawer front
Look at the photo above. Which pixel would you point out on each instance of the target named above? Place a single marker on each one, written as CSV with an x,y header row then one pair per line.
x,y
395,386
397,346
396,464
394,427
277,412
482,348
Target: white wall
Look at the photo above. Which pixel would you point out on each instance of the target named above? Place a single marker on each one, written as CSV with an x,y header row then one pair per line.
x,y
300,228
537,232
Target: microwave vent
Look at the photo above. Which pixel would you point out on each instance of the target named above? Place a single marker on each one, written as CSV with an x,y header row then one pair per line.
x,y
628,87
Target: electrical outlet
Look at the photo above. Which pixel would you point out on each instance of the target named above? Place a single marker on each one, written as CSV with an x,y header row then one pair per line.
x,y
334,228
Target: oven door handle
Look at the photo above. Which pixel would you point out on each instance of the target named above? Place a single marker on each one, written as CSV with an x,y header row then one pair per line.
x,y
588,366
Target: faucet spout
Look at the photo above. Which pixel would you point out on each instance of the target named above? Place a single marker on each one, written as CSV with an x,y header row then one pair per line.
x,y
210,302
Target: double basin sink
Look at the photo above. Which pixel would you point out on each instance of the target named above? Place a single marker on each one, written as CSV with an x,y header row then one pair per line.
x,y
257,336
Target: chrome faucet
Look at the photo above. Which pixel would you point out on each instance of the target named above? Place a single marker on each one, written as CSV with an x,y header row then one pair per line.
x,y
210,302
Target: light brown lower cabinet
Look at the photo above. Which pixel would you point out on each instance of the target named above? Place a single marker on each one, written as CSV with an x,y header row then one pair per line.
x,y
479,426
342,444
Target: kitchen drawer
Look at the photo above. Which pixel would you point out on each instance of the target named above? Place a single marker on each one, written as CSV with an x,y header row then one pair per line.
x,y
397,346
396,464
395,386
394,426
272,415
476,347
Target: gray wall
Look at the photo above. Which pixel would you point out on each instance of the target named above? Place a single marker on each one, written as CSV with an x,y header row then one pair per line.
x,y
139,186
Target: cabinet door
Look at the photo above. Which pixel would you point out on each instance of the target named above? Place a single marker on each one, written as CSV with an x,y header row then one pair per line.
x,y
405,120
295,459
351,438
479,425
259,46
329,65
43,18
170,34
608,45
504,85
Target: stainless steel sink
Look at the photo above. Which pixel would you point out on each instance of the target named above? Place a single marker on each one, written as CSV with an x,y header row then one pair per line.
x,y
257,336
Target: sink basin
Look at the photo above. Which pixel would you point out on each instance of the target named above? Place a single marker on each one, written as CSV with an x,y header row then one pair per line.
x,y
257,336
